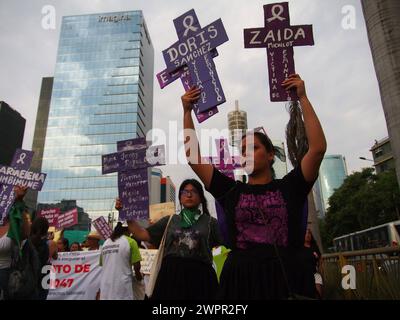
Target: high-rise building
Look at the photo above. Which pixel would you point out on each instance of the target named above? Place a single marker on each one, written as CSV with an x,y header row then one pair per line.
x,y
155,186
237,123
102,93
168,190
383,155
332,173
162,189
39,137
383,26
12,128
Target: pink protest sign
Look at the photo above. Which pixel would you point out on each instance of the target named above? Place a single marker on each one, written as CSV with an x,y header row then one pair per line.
x,y
51,215
68,219
279,37
102,227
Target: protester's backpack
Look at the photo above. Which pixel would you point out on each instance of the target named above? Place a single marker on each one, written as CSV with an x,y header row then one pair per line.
x,y
23,281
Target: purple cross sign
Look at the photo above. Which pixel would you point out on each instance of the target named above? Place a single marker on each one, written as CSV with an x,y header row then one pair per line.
x,y
132,162
165,78
194,52
279,37
226,164
17,174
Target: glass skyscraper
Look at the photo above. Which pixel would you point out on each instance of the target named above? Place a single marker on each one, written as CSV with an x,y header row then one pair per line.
x,y
102,93
332,173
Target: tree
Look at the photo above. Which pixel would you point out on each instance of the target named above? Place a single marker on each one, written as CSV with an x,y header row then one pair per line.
x,y
364,200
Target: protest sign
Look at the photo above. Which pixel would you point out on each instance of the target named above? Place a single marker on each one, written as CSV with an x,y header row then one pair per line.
x,y
195,51
131,162
102,227
17,174
51,215
279,37
148,256
73,276
160,210
67,219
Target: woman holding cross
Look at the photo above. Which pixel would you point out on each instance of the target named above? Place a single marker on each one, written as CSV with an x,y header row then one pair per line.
x,y
265,215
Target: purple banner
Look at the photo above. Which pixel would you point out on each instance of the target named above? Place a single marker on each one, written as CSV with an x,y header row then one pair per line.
x,y
279,37
67,219
191,59
20,177
133,191
22,160
102,227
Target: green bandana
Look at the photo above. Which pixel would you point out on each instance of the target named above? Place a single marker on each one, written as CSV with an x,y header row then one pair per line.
x,y
189,217
15,218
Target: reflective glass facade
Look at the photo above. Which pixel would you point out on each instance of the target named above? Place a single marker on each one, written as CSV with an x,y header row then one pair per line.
x,y
102,93
332,173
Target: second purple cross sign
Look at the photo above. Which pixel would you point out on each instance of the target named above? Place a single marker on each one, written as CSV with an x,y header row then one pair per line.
x,y
194,53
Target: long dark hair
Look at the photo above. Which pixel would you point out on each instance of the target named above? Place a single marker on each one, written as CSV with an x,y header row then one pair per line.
x,y
65,242
197,185
119,230
269,147
39,229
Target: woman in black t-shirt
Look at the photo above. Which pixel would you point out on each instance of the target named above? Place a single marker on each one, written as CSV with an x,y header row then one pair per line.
x,y
186,270
265,215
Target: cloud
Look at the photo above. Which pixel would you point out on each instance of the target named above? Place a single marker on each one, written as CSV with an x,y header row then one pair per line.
x,y
338,70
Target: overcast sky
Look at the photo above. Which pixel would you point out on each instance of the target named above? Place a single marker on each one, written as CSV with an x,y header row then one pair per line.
x,y
338,70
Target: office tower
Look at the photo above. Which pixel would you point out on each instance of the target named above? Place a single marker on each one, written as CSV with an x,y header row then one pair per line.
x,y
383,26
332,173
102,93
12,128
39,136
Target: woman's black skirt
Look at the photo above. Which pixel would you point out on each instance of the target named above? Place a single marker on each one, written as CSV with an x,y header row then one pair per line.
x,y
258,274
185,279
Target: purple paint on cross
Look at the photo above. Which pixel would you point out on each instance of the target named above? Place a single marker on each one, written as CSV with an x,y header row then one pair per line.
x,y
131,162
279,37
10,177
194,52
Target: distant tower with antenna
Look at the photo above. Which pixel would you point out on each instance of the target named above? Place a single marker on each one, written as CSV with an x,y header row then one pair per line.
x,y
237,124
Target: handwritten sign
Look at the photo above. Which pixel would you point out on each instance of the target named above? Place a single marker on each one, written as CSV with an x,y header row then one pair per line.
x,y
279,37
160,210
17,174
148,256
102,227
133,159
132,162
194,51
51,215
68,219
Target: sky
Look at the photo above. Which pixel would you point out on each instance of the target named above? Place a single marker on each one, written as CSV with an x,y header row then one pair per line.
x,y
338,70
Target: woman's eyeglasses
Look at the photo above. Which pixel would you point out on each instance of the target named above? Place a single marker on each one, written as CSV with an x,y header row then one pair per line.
x,y
186,193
